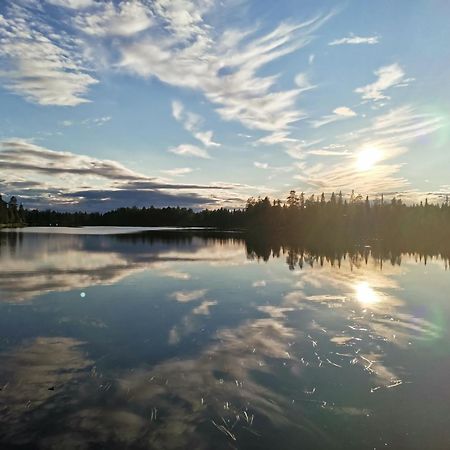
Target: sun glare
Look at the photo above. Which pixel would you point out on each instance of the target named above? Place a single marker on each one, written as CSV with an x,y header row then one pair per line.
x,y
365,294
367,158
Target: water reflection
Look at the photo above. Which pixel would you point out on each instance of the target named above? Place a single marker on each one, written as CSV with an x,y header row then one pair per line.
x,y
365,294
33,264
187,341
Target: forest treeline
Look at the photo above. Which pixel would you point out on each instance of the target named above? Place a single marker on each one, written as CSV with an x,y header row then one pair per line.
x,y
11,213
326,220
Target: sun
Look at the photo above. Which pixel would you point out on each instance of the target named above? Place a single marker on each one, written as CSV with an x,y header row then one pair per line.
x,y
367,158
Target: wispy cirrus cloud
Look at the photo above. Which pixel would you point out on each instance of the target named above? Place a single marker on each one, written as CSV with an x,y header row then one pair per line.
x,y
260,165
72,4
178,171
41,65
330,150
170,41
190,150
90,122
356,40
192,122
346,177
401,125
273,171
303,82
387,77
224,68
109,19
340,113
183,18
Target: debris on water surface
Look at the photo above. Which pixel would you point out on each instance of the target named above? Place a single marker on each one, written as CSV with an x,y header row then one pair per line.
x,y
154,414
334,364
313,342
395,383
224,430
248,418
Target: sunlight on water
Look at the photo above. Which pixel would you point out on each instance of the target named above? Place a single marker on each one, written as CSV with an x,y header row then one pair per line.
x,y
366,295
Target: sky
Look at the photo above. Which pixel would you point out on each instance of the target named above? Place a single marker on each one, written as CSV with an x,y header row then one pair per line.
x,y
205,103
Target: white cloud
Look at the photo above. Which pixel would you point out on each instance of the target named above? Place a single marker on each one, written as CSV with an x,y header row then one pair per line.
x,y
224,68
388,76
192,123
190,150
356,40
325,152
43,67
278,137
183,17
177,110
302,81
340,113
261,165
398,126
178,172
125,19
330,150
344,111
206,138
72,4
94,121
97,121
171,41
298,149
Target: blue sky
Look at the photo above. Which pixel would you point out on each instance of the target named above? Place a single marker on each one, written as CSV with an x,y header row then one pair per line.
x,y
204,103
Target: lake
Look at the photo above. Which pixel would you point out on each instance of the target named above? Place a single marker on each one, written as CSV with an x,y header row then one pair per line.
x,y
191,339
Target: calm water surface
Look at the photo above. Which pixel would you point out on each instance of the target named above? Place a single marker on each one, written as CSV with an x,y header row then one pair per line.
x,y
168,340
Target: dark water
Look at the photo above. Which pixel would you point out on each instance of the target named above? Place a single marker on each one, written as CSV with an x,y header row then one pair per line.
x,y
174,340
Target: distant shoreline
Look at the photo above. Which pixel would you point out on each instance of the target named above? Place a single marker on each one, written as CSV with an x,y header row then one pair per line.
x,y
12,225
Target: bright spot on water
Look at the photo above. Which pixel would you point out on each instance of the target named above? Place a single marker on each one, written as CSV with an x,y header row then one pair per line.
x,y
365,294
83,294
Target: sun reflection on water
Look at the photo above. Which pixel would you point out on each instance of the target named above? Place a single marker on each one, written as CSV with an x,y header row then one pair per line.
x,y
365,294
